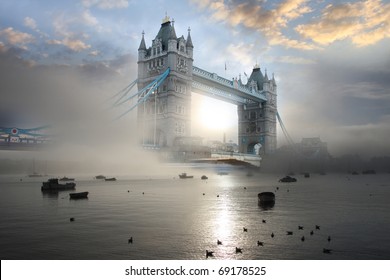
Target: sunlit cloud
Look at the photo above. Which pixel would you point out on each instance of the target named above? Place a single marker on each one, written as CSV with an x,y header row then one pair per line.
x,y
254,16
364,22
16,37
75,45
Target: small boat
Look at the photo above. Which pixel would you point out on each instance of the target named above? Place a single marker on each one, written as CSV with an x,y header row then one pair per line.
x,y
266,200
66,179
35,175
53,185
185,176
204,177
99,177
110,179
78,195
288,179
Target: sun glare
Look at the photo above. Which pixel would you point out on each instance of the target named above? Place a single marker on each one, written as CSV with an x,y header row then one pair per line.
x,y
217,115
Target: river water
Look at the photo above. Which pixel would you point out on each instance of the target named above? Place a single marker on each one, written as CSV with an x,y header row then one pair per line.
x,y
172,218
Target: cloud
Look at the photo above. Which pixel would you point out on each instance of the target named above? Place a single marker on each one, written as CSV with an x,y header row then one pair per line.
x,y
364,22
16,38
30,22
106,4
73,44
254,16
89,19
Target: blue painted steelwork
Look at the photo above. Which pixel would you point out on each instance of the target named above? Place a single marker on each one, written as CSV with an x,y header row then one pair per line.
x,y
144,93
125,91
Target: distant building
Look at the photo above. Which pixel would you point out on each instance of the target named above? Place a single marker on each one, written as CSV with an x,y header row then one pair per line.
x,y
313,148
189,148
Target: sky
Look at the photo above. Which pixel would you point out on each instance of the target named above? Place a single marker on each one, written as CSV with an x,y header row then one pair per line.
x,y
61,60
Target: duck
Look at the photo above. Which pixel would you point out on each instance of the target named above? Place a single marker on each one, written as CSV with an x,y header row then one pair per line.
x,y
238,250
264,221
312,232
300,227
289,233
326,251
245,229
209,254
329,239
302,238
272,235
219,242
317,227
130,240
71,219
259,243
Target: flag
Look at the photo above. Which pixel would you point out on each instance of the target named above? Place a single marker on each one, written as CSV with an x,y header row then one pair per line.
x,y
245,75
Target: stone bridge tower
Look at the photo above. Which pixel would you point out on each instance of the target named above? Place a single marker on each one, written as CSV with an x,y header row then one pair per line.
x,y
167,113
257,121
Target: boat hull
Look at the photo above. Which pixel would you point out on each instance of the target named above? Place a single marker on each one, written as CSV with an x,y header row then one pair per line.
x,y
79,195
53,185
266,200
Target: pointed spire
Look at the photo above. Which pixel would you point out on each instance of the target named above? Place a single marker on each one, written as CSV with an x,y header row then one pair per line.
x,y
172,34
273,79
266,76
189,40
142,45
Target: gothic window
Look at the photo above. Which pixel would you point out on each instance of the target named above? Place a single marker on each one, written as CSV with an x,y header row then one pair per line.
x,y
182,48
252,115
154,51
158,50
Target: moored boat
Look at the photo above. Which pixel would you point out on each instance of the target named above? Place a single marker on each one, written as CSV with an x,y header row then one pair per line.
x,y
78,195
204,177
266,200
185,176
100,177
53,185
110,179
66,179
288,179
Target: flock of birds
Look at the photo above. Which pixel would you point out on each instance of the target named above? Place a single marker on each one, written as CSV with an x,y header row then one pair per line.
x,y
262,243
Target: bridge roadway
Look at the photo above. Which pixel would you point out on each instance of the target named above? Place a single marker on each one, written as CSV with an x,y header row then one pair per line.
x,y
210,84
233,158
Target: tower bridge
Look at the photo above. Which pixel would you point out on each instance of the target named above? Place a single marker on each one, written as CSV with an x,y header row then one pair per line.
x,y
166,114
166,79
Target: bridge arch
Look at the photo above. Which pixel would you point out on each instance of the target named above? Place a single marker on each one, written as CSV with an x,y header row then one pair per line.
x,y
254,148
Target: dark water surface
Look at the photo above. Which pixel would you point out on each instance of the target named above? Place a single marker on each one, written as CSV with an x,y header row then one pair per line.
x,y
174,220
